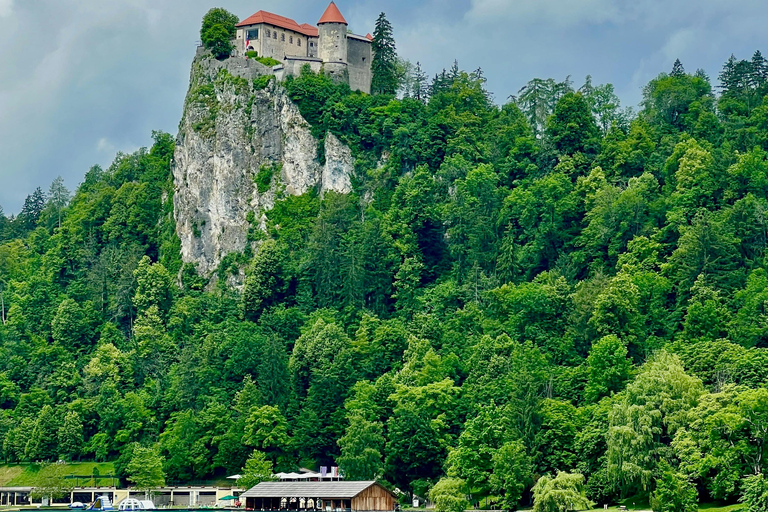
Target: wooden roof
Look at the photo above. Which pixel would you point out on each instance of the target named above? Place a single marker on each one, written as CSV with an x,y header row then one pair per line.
x,y
323,490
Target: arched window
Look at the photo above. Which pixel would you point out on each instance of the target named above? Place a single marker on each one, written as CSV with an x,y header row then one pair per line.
x,y
291,40
267,32
298,41
274,35
282,37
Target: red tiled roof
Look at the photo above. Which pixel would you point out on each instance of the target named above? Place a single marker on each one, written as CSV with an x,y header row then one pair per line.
x,y
368,36
332,15
310,30
279,21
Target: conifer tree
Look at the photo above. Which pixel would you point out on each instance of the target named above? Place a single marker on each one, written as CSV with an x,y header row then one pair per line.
x,y
759,69
58,196
677,68
34,205
420,86
384,65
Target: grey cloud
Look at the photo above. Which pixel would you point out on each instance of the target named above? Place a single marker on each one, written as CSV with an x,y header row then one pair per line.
x,y
80,79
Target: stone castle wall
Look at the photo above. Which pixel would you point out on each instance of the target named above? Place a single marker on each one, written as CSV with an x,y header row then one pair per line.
x,y
359,55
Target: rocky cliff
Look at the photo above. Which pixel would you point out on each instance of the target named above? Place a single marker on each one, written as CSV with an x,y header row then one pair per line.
x,y
241,143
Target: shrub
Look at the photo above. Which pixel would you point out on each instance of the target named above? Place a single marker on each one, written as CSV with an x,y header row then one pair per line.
x,y
262,82
560,494
674,493
252,54
217,40
268,61
754,493
263,178
449,496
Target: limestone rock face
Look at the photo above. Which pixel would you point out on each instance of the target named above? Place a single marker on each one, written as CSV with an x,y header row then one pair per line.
x,y
241,143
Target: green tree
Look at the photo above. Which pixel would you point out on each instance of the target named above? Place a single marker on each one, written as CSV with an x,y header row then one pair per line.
x,y
58,197
448,495
361,447
563,493
71,437
512,474
266,429
609,368
755,493
51,482
153,286
674,493
266,282
654,406
42,442
572,126
384,64
145,470
258,468
217,32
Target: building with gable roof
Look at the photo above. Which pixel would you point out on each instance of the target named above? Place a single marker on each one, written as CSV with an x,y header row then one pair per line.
x,y
329,46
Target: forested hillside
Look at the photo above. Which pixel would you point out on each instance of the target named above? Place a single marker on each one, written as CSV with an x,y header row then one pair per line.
x,y
553,285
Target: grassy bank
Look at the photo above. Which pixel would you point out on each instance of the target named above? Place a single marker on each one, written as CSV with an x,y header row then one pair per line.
x,y
27,475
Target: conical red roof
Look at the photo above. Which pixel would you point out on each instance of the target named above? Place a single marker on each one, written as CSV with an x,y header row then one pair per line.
x,y
332,15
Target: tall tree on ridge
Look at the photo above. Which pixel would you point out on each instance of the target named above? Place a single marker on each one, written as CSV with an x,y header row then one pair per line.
x,y
58,196
384,65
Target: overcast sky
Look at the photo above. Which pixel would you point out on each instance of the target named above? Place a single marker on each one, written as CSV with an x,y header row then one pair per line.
x,y
83,79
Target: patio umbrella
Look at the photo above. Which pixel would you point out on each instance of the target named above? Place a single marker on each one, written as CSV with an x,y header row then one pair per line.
x,y
228,498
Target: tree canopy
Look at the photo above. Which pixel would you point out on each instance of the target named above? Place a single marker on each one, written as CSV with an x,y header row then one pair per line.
x,y
548,302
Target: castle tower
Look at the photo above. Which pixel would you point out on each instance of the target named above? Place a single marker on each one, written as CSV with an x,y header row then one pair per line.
x,y
332,40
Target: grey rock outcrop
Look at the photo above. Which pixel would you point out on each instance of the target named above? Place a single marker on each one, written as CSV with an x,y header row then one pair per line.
x,y
242,142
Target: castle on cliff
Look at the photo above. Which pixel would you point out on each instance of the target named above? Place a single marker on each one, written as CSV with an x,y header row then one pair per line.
x,y
329,46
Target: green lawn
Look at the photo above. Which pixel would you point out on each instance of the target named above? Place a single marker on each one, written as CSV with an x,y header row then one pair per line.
x,y
708,507
27,475
715,507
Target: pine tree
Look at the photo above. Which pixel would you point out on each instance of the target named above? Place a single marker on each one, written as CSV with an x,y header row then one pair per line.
x,y
439,83
677,68
34,205
727,75
420,87
453,74
759,69
58,196
384,65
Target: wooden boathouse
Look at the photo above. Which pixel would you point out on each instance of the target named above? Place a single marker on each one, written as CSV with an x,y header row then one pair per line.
x,y
346,496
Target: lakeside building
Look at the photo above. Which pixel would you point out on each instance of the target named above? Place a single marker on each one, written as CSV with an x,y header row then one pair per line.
x,y
181,496
329,46
349,496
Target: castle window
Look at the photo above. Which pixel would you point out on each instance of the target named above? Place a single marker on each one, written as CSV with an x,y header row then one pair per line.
x,y
291,41
311,44
274,35
267,32
253,34
282,37
298,41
